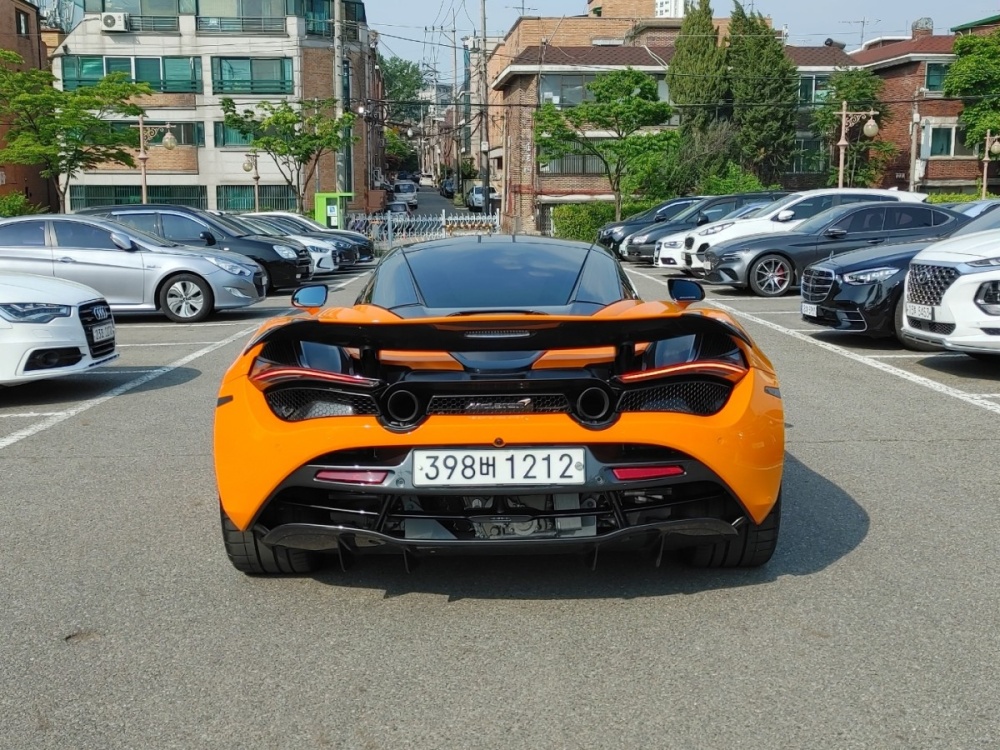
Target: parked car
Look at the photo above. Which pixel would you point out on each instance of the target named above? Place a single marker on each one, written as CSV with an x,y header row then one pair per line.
x,y
134,271
406,191
287,263
325,255
398,208
447,188
771,264
952,295
474,197
50,328
427,180
782,216
641,245
862,291
612,233
672,258
977,208
366,250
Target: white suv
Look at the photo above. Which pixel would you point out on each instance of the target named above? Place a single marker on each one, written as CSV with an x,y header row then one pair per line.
x,y
952,294
781,216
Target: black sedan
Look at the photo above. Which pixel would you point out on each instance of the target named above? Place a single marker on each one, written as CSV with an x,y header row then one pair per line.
x,y
612,234
862,291
771,264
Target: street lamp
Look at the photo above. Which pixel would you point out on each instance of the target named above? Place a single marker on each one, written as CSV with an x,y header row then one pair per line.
x,y
992,147
250,165
847,121
146,134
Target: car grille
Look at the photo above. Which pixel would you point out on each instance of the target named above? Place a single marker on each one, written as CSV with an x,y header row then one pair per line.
x,y
700,397
816,284
91,315
554,403
688,243
942,329
927,283
297,404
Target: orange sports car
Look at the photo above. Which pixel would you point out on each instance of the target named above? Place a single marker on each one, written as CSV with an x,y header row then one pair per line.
x,y
499,394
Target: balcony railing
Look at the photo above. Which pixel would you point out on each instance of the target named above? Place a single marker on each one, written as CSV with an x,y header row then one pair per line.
x,y
154,24
163,87
256,86
260,25
324,27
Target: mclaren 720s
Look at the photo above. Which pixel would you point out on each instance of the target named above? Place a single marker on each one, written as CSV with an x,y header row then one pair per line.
x,y
499,394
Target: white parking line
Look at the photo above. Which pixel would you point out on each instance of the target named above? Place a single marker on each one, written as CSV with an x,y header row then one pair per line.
x,y
124,325
774,312
120,371
131,385
986,395
933,385
925,355
33,414
168,343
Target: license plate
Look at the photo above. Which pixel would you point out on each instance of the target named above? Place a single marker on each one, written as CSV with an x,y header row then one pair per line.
x,y
493,468
103,332
810,311
921,312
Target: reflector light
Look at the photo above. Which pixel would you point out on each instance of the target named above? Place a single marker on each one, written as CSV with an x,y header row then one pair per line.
x,y
708,367
264,375
638,473
351,476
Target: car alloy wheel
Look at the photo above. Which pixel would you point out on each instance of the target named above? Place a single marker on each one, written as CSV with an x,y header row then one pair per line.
x,y
771,276
186,299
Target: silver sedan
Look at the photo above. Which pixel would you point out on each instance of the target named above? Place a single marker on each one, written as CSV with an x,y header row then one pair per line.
x,y
134,271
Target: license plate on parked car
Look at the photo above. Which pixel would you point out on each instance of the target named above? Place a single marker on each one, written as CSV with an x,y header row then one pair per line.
x,y
491,468
810,311
921,312
103,332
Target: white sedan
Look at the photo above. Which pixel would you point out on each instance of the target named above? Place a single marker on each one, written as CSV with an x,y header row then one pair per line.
x,y
668,251
50,327
952,294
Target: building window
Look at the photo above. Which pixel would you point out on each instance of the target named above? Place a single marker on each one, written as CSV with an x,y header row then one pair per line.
x,y
174,75
240,198
948,142
186,133
227,136
936,73
251,75
22,22
161,8
813,89
577,163
91,196
810,157
566,91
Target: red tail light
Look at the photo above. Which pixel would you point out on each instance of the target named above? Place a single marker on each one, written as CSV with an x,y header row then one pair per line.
x,y
638,473
715,368
264,374
351,476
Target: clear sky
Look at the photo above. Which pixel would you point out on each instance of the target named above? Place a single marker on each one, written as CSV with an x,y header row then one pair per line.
x,y
418,22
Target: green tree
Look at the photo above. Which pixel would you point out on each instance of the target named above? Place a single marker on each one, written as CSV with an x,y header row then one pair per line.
x,y
65,132
403,82
399,154
866,159
690,159
627,108
765,94
697,75
294,134
731,180
976,71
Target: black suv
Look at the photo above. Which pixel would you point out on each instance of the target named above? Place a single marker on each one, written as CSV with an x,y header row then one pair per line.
x,y
286,261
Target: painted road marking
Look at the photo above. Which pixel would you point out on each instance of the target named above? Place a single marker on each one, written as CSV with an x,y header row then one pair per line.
x,y
33,414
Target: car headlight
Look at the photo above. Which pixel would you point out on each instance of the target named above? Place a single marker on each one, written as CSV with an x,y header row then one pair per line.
x,y
285,252
33,312
617,233
869,276
672,243
317,249
728,257
985,263
639,239
229,267
715,229
988,297
341,245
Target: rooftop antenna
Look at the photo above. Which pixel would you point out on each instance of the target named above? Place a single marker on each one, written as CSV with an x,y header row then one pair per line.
x,y
864,22
522,7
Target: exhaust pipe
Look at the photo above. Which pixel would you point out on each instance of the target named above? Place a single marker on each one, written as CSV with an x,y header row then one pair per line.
x,y
402,407
593,405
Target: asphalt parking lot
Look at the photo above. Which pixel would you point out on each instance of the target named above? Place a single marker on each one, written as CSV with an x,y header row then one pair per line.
x,y
874,626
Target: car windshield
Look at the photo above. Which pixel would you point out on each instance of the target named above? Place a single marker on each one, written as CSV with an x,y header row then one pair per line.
x,y
406,187
249,226
136,234
816,224
981,223
472,276
690,212
265,226
283,223
783,203
227,223
745,212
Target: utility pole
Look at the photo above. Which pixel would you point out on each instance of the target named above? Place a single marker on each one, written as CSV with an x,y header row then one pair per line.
x,y
484,122
456,177
338,82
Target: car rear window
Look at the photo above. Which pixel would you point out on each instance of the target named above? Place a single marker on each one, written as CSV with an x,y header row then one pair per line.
x,y
486,276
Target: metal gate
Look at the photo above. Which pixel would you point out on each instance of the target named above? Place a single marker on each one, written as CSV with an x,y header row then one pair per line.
x,y
389,230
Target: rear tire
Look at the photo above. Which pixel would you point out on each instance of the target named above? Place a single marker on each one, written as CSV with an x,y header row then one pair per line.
x,y
753,547
902,338
250,555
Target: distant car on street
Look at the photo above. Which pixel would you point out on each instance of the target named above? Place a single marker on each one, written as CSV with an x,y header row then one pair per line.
x,y
406,191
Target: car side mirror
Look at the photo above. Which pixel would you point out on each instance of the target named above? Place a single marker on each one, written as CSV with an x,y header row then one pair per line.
x,y
702,219
659,217
122,242
786,215
836,233
208,237
685,290
310,297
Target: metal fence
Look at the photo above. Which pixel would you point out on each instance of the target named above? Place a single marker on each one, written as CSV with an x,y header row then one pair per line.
x,y
388,230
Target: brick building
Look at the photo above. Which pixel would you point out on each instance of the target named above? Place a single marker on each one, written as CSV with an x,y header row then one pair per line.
x,y
21,31
194,53
932,155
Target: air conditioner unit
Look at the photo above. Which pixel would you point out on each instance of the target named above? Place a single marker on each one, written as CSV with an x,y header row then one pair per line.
x,y
114,21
